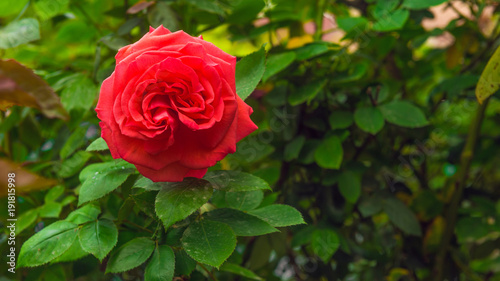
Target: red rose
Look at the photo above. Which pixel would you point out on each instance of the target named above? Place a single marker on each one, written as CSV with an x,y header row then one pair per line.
x,y
170,107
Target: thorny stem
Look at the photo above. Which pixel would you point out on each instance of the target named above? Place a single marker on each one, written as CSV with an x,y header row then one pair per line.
x,y
458,185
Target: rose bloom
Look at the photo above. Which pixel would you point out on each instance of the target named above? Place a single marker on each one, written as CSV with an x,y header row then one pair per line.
x,y
170,107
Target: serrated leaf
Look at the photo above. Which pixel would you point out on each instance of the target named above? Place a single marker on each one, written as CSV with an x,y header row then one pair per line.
x,y
350,186
404,114
369,119
148,184
98,237
75,252
130,255
306,93
98,145
402,216
48,244
279,215
234,181
325,243
19,32
242,223
249,71
245,200
276,63
329,153
489,82
106,178
209,242
180,199
239,270
161,266
84,214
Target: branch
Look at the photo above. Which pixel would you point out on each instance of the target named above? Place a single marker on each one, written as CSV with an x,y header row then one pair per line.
x,y
458,185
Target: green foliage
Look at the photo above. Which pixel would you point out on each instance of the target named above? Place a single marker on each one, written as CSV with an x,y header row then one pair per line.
x,y
373,160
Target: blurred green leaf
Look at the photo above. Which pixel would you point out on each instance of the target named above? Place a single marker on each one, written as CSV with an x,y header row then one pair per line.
x,y
329,153
19,32
404,114
401,216
8,8
47,9
325,243
306,92
340,119
369,119
79,94
422,4
292,149
391,21
25,220
350,186
276,63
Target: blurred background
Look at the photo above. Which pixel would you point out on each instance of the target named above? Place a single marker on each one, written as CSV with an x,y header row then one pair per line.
x,y
368,124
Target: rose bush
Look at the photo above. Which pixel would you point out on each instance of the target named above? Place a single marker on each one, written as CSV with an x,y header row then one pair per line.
x,y
170,107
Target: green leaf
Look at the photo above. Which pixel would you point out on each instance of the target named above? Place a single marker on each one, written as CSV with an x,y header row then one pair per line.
x,y
79,94
161,266
209,242
276,63
249,71
242,223
54,193
279,215
329,153
47,9
162,14
306,93
75,141
130,255
350,23
98,145
106,178
180,199
402,216
8,8
244,11
292,149
239,270
98,237
26,219
370,206
207,5
84,214
184,264
48,244
369,119
488,82
324,243
234,181
421,4
354,73
74,253
19,32
340,119
146,202
148,184
50,210
311,50
74,164
404,114
245,200
350,186
392,21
